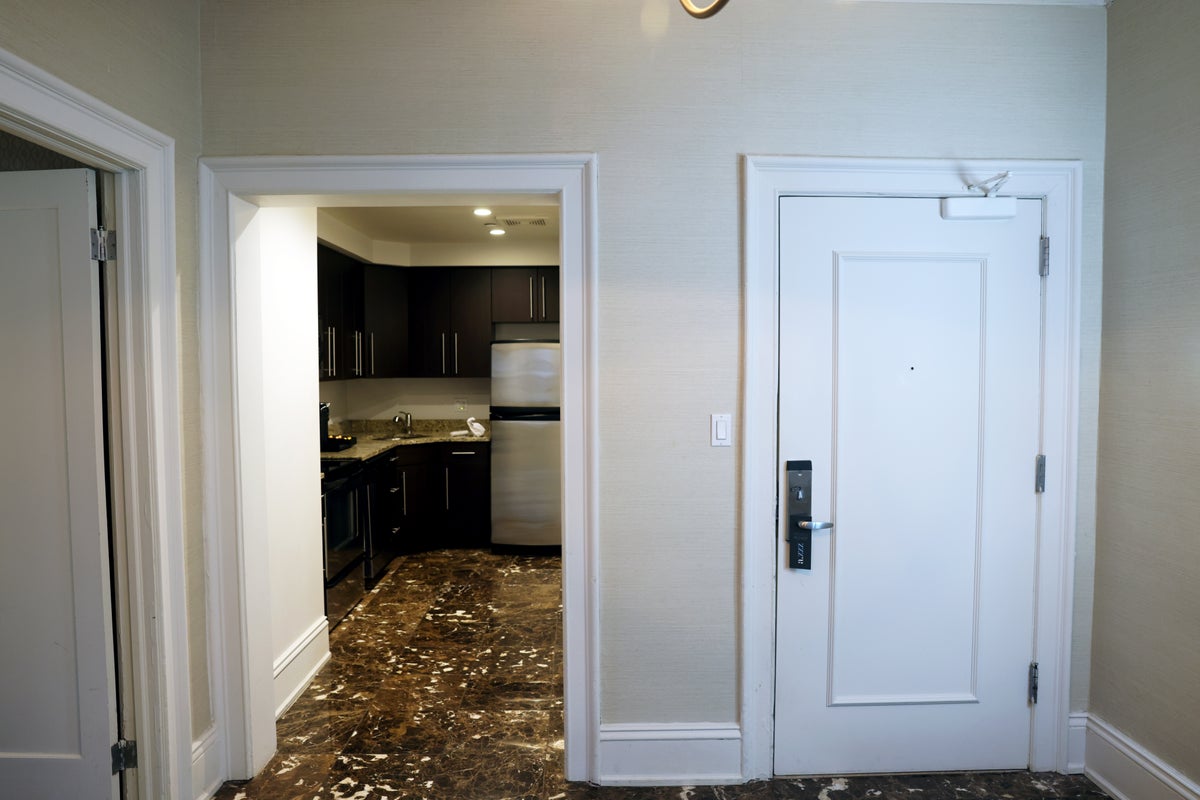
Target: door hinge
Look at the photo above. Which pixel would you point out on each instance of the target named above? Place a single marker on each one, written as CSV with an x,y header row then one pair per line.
x,y
1044,257
104,244
1039,475
124,755
1033,682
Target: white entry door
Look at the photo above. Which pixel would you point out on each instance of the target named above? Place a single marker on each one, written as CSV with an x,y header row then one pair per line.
x,y
57,702
910,377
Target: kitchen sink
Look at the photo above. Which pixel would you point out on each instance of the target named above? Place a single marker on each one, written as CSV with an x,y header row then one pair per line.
x,y
397,437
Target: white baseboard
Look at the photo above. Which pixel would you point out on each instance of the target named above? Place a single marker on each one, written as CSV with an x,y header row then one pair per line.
x,y
1077,742
206,765
296,666
683,754
1128,771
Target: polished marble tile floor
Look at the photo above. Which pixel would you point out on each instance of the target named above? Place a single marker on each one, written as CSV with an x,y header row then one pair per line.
x,y
445,683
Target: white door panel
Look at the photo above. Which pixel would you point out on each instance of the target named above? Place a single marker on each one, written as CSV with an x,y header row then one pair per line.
x,y
910,376
57,707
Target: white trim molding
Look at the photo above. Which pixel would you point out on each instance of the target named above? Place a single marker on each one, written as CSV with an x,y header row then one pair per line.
x,y
1128,771
670,754
1077,742
41,108
231,190
206,766
298,665
767,178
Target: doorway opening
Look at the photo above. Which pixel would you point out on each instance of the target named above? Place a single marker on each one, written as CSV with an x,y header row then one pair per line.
x,y
233,190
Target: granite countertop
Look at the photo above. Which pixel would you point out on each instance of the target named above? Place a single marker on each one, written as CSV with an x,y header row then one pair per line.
x,y
375,437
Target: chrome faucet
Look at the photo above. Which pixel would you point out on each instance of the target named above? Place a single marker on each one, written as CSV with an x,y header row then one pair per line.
x,y
407,431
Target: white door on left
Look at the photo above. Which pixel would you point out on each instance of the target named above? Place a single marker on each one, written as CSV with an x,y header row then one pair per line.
x,y
57,701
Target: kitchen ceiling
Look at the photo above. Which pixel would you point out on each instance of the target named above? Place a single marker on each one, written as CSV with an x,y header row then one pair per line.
x,y
451,224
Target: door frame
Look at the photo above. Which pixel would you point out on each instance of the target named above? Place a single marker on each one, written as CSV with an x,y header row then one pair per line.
x,y
765,180
39,107
239,611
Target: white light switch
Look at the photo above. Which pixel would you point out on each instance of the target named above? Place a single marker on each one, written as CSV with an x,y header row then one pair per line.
x,y
721,426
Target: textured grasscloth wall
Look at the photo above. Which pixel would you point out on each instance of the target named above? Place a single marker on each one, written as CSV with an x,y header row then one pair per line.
x,y
143,58
669,103
1146,642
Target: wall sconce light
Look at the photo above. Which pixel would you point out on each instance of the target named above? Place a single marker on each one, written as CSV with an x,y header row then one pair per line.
x,y
702,11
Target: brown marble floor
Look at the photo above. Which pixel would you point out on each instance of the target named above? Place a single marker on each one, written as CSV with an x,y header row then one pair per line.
x,y
445,684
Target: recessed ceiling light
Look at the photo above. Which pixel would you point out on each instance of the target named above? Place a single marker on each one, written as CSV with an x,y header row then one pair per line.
x,y
497,231
483,212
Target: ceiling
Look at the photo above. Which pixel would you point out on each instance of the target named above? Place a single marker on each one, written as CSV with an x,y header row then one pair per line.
x,y
451,224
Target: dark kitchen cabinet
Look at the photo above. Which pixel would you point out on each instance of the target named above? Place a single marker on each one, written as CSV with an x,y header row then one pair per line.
x,y
331,269
466,477
385,321
362,312
340,315
525,294
411,496
450,318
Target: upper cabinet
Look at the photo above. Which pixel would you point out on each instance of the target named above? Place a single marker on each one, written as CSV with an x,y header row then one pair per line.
x,y
450,322
385,321
334,319
525,294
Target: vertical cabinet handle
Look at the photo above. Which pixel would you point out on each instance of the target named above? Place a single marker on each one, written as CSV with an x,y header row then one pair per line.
x,y
372,354
443,353
404,493
447,488
531,297
456,352
333,352
543,297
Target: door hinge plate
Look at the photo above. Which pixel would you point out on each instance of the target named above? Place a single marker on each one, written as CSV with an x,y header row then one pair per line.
x,y
1033,682
124,755
1044,257
104,244
1039,475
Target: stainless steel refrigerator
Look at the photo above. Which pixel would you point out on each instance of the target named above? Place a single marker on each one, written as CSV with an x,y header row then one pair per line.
x,y
526,445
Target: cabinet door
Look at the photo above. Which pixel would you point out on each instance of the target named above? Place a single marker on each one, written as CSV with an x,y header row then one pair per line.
x,y
429,323
329,312
546,292
467,476
515,291
354,345
415,496
385,321
471,315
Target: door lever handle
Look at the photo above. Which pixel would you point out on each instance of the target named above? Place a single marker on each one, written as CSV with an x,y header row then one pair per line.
x,y
809,525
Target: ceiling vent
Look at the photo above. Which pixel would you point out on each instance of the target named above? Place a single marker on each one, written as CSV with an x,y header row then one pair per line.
x,y
512,222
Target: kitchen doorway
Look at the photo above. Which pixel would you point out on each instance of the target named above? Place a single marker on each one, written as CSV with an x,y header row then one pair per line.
x,y
231,190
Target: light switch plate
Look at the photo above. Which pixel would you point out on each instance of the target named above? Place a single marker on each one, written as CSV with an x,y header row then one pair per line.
x,y
721,430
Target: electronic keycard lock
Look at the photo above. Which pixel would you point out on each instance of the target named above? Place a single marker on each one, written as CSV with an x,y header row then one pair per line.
x,y
799,515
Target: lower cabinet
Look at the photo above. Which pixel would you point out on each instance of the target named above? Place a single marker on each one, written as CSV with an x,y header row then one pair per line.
x,y
428,496
466,476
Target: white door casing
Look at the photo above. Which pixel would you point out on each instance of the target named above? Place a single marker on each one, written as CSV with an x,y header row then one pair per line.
x,y
58,707
43,109
910,376
1058,185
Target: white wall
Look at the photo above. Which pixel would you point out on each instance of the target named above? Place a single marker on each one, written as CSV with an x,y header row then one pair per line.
x,y
281,454
668,103
1146,667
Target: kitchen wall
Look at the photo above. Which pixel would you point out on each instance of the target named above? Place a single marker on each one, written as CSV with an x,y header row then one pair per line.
x,y
669,103
143,58
1146,652
280,450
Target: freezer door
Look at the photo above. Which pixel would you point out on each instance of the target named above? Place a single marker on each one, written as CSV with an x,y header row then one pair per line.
x,y
526,483
525,374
